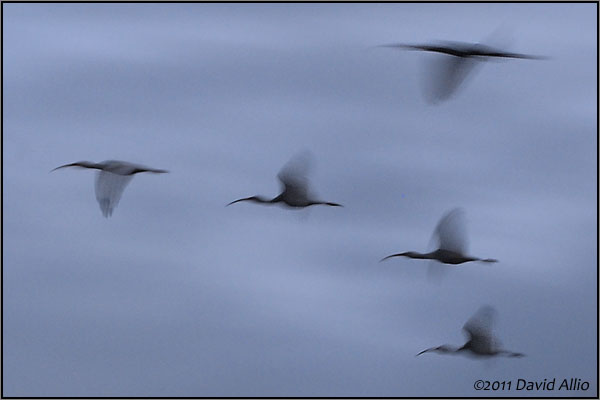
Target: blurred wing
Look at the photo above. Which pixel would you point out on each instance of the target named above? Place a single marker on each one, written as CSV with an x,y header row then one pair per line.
x,y
299,165
451,232
109,188
479,326
294,174
449,73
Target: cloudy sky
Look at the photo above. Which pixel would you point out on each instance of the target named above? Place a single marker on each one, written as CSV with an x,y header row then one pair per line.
x,y
178,295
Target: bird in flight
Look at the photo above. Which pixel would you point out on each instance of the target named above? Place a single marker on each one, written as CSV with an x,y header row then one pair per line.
x,y
295,188
463,50
481,342
451,238
463,57
111,180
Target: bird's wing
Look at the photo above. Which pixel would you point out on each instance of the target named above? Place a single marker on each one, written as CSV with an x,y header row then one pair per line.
x,y
449,70
294,174
109,188
479,326
294,185
451,233
448,75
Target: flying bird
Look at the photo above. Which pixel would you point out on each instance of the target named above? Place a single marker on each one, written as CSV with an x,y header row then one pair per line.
x,y
451,238
111,179
295,188
463,50
481,342
463,57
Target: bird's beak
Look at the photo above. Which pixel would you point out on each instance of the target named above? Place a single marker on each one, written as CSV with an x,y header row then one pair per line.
x,y
62,166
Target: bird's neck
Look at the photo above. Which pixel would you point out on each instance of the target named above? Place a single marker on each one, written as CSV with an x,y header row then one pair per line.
x,y
87,164
449,349
414,254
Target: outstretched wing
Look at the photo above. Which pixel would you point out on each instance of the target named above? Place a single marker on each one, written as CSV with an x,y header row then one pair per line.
x,y
109,188
447,71
451,232
294,175
447,74
480,326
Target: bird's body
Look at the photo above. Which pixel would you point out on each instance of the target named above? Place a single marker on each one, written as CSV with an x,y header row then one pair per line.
x,y
286,200
450,234
481,342
111,180
441,255
469,349
295,192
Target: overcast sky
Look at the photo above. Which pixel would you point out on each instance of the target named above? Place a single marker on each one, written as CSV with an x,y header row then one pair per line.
x,y
178,295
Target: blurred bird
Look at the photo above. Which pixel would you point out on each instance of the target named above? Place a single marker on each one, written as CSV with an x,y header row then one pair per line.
x,y
481,341
111,180
463,50
463,58
295,192
451,238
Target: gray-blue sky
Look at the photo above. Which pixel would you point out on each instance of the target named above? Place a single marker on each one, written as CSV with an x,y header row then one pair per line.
x,y
176,295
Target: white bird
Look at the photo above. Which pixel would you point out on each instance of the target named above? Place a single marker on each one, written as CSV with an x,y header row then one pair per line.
x,y
481,342
295,191
450,234
463,57
111,179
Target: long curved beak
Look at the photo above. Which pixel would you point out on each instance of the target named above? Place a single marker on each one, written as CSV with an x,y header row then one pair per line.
x,y
424,351
62,166
236,201
393,255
